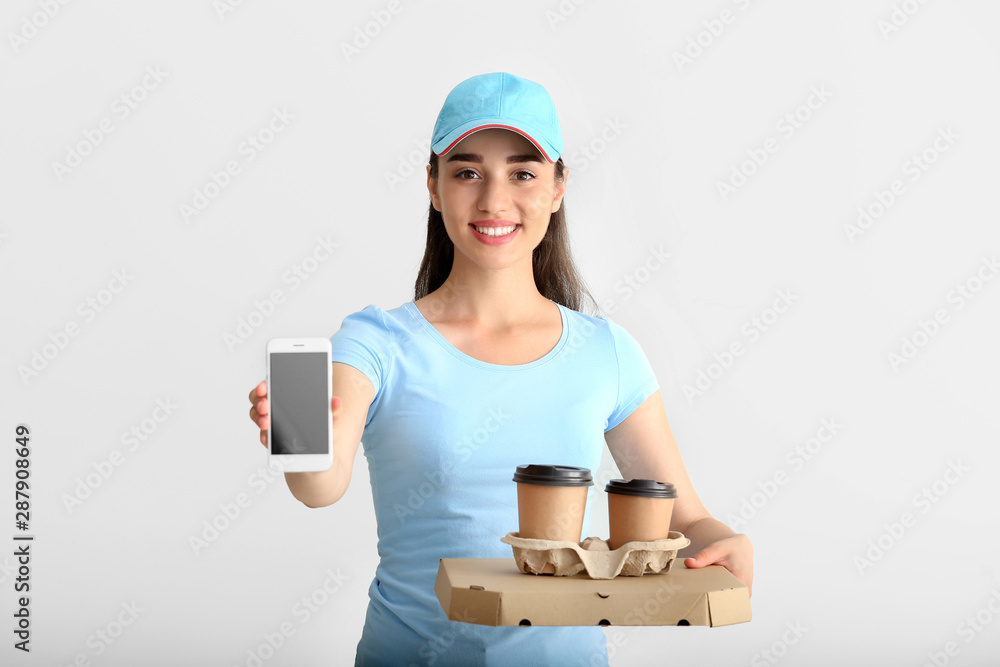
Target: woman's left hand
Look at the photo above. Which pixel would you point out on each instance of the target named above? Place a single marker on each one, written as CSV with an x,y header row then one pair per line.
x,y
735,553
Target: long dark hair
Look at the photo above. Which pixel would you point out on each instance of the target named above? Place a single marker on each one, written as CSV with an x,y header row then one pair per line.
x,y
556,275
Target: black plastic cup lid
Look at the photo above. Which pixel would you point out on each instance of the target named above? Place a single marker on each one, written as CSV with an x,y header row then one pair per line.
x,y
642,487
547,475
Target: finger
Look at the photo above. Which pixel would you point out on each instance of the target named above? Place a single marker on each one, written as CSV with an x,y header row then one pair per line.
x,y
707,556
740,571
258,391
263,438
262,421
264,407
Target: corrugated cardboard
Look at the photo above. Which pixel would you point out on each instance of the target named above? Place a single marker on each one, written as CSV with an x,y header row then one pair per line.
x,y
492,591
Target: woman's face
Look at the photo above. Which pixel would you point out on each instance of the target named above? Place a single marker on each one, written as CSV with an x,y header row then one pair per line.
x,y
495,178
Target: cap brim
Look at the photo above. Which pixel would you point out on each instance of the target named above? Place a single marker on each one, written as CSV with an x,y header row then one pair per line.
x,y
450,140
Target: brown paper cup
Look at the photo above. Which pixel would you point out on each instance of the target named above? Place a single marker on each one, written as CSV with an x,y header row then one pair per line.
x,y
551,512
551,502
639,510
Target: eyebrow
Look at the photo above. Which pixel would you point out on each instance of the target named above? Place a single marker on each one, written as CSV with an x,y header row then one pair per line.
x,y
475,157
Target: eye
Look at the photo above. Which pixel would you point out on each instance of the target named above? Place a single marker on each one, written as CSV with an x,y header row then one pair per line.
x,y
524,171
461,172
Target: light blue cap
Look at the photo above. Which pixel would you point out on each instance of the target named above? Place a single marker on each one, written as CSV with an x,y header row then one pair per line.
x,y
499,100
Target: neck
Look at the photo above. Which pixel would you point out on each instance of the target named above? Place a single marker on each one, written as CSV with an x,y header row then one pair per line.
x,y
493,298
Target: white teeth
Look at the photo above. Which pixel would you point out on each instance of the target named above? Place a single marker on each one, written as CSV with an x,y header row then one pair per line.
x,y
496,231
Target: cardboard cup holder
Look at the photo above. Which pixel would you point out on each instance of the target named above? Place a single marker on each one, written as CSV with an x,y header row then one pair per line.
x,y
594,557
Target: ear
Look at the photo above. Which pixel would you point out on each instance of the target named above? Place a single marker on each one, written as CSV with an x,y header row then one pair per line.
x,y
432,189
560,190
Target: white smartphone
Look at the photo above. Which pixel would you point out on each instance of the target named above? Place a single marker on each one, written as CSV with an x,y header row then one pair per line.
x,y
299,389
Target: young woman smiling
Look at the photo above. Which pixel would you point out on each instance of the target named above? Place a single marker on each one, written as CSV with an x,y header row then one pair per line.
x,y
491,366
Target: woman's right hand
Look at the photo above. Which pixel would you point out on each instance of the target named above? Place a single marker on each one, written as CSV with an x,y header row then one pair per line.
x,y
353,394
260,409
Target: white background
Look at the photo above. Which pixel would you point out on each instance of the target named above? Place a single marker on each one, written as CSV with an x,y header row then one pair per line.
x,y
828,557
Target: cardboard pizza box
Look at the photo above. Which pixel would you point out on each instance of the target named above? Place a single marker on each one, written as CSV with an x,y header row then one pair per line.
x,y
493,591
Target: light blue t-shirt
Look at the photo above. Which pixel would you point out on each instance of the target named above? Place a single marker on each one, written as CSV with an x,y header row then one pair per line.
x,y
443,438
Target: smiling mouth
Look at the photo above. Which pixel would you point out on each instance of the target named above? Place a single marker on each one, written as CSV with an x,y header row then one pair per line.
x,y
496,231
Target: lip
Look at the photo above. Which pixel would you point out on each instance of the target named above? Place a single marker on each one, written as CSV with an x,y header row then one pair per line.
x,y
494,240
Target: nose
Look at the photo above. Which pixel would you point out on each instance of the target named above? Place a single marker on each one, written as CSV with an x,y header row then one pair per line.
x,y
494,196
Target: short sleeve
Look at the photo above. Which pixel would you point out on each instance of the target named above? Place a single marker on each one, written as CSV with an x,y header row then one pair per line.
x,y
365,342
636,380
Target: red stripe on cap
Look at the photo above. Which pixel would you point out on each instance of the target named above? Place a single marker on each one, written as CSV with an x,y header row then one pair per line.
x,y
505,127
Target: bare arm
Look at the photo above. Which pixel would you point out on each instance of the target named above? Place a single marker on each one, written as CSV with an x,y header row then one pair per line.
x,y
643,446
353,394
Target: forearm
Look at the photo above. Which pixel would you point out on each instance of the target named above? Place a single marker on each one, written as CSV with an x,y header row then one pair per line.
x,y
703,532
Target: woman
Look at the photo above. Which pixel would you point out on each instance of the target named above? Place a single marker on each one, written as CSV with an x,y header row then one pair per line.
x,y
490,366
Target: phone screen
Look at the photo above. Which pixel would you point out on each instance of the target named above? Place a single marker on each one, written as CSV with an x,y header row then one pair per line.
x,y
299,405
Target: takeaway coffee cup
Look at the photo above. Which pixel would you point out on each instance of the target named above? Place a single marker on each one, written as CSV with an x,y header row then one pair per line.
x,y
639,510
551,501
